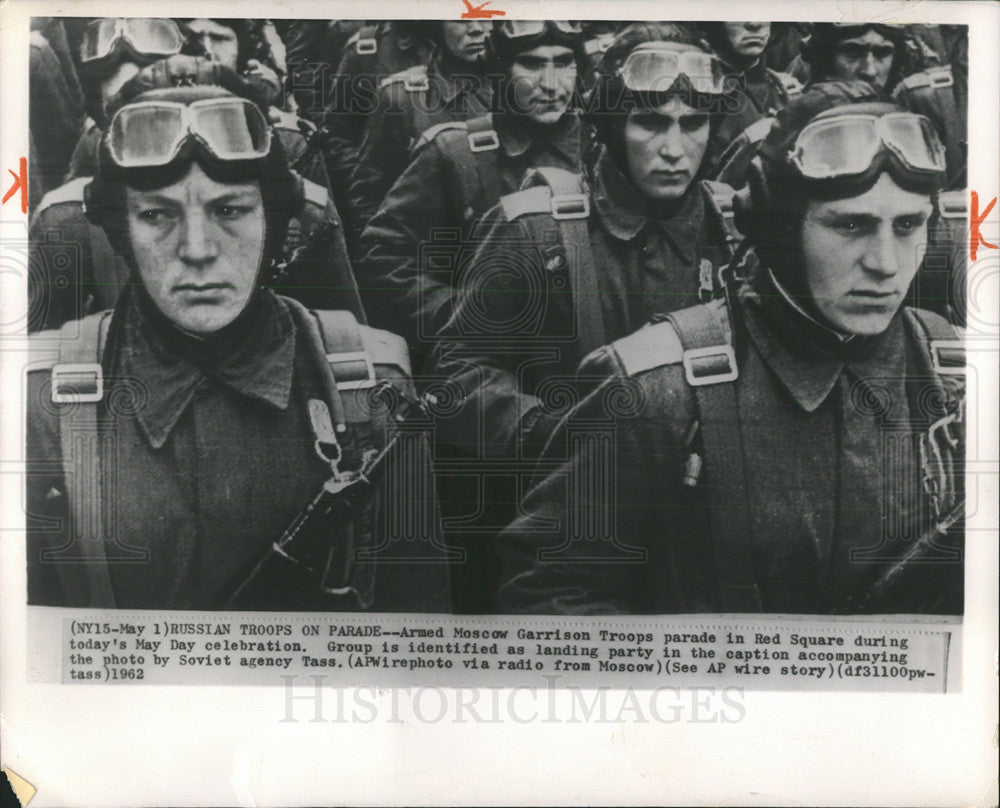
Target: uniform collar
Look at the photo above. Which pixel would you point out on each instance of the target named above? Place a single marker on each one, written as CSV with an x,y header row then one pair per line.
x,y
806,356
254,359
624,212
517,137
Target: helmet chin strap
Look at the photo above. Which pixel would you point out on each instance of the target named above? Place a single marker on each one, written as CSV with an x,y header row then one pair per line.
x,y
827,328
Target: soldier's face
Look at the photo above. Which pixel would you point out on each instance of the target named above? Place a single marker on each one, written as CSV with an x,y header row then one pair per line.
x,y
861,254
198,245
220,42
542,81
465,39
867,57
747,39
664,147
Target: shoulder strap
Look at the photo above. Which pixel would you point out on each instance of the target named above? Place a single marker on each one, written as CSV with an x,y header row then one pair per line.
x,y
414,79
365,41
474,158
710,369
650,347
932,78
432,132
78,386
484,144
942,349
564,197
70,192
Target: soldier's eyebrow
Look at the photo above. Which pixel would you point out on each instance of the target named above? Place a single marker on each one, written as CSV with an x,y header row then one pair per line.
x,y
836,215
239,195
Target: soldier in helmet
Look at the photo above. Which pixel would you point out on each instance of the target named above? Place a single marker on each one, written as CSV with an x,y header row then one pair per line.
x,y
81,272
559,268
460,169
411,246
372,54
451,87
743,45
797,450
888,57
111,51
566,266
206,443
898,64
870,52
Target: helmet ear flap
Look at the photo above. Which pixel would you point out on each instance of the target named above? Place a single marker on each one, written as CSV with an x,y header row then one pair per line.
x,y
92,208
752,202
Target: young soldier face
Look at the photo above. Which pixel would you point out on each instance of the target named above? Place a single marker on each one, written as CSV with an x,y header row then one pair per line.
x,y
867,57
747,39
219,42
861,254
198,245
465,40
664,147
542,81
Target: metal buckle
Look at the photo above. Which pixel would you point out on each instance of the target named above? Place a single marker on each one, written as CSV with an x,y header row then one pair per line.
x,y
939,345
483,141
354,356
951,205
366,46
940,77
416,84
570,206
710,378
77,383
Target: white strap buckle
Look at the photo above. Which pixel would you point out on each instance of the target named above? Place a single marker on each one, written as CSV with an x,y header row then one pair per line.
x,y
698,379
570,206
483,141
77,383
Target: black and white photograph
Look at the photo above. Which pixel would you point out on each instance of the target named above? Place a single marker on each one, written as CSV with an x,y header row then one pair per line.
x,y
486,349
516,316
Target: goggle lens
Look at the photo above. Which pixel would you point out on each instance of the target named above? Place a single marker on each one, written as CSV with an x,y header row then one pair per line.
x,y
652,69
516,29
153,37
846,146
151,133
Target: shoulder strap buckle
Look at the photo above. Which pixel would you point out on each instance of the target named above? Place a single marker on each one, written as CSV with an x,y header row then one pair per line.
x,y
940,77
353,370
486,140
77,383
951,205
416,83
570,206
366,45
948,357
712,365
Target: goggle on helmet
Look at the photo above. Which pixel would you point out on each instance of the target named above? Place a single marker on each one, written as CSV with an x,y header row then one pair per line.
x,y
659,67
155,133
146,39
845,145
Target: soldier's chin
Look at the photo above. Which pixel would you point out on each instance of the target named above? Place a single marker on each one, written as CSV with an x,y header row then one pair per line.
x,y
861,324
205,320
547,115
